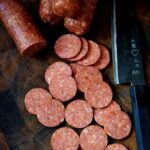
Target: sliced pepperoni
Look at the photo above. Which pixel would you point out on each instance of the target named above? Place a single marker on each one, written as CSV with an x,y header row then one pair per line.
x,y
67,46
116,146
87,76
78,114
101,113
34,95
92,56
65,139
51,114
63,87
104,58
117,125
93,138
57,68
83,52
99,95
76,68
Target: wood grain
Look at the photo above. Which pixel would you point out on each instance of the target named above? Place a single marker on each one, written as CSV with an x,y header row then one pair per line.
x,y
19,129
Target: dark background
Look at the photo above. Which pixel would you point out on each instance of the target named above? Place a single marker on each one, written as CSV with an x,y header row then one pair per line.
x,y
18,129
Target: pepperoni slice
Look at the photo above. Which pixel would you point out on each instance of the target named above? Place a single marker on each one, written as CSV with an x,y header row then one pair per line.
x,y
93,138
51,114
104,58
83,52
87,76
65,139
101,113
76,68
57,68
92,56
117,125
34,95
116,146
78,114
67,46
63,87
98,95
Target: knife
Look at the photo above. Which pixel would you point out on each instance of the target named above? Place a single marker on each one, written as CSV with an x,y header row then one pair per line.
x,y
128,66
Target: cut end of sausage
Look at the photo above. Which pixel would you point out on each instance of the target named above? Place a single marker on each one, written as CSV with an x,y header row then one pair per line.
x,y
76,26
34,48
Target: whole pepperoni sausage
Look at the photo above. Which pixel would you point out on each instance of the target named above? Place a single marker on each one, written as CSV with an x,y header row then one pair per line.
x,y
20,26
82,22
47,14
66,7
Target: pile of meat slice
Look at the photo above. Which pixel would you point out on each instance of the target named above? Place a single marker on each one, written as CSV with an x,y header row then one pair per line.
x,y
97,113
84,52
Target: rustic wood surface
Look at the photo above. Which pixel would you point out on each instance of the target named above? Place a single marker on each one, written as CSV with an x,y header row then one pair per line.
x,y
18,129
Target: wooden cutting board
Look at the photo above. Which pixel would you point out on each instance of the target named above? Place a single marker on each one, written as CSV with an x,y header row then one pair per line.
x,y
18,129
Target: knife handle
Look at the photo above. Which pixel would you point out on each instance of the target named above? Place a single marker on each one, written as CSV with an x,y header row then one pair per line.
x,y
141,116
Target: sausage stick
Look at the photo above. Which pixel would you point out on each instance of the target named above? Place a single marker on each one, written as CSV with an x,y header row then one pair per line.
x,y
81,23
46,13
21,27
66,7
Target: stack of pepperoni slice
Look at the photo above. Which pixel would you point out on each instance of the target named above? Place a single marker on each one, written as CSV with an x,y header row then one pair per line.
x,y
64,81
49,111
78,49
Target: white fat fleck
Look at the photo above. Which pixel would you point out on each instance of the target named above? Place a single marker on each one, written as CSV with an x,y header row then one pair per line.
x,y
93,139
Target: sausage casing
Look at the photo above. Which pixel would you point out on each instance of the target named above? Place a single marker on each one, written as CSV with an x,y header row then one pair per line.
x,y
66,7
20,26
82,22
46,13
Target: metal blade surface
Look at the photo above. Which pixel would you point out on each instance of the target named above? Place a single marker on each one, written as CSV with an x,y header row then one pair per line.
x,y
126,51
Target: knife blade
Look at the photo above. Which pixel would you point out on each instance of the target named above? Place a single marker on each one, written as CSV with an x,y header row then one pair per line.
x,y
128,65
